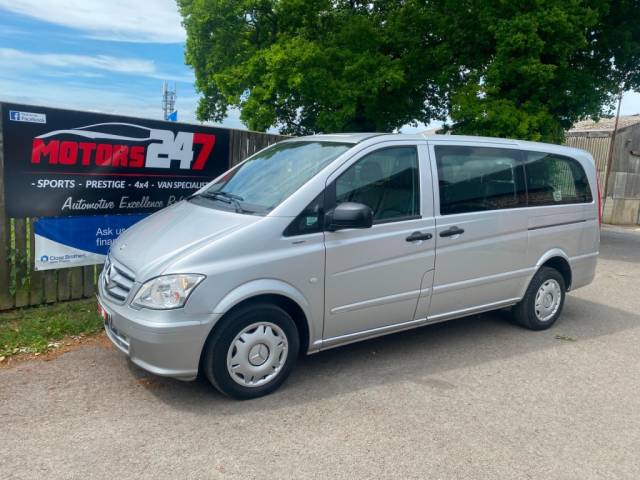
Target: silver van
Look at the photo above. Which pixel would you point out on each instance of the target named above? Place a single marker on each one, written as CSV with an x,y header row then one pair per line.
x,y
325,240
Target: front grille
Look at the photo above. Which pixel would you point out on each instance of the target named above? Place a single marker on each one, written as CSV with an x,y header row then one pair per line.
x,y
117,280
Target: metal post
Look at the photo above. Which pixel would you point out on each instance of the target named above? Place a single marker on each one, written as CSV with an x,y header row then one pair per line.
x,y
610,156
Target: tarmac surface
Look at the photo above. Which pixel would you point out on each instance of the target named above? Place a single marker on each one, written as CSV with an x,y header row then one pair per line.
x,y
476,398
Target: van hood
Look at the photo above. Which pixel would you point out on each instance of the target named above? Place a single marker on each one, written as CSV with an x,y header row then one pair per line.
x,y
151,245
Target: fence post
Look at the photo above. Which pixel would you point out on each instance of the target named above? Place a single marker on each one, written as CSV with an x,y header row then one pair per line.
x,y
50,286
88,281
76,282
36,279
6,299
64,291
21,259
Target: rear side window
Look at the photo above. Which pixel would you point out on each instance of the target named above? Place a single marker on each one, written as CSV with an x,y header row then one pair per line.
x,y
475,179
555,180
387,180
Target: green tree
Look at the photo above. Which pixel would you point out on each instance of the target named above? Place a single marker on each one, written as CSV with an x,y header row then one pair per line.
x,y
316,65
518,68
532,68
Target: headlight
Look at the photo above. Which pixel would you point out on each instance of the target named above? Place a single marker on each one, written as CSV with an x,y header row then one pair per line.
x,y
167,291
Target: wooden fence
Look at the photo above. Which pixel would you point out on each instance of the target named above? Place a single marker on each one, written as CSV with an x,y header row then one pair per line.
x,y
597,143
21,285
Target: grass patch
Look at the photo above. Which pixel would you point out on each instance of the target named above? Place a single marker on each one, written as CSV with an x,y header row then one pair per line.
x,y
32,330
565,338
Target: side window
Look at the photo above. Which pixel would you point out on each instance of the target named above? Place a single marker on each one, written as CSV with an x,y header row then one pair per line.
x,y
554,179
387,180
475,179
309,221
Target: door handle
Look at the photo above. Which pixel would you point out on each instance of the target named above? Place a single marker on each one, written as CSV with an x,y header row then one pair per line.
x,y
452,232
417,236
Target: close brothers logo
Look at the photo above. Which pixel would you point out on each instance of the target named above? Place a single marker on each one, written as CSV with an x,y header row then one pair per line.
x,y
122,145
61,258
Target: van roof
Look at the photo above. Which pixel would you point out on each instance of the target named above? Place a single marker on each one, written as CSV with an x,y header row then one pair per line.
x,y
355,138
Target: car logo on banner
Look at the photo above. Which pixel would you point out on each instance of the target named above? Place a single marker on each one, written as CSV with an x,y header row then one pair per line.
x,y
122,145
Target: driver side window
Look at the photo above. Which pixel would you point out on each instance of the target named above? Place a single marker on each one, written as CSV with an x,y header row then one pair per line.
x,y
386,180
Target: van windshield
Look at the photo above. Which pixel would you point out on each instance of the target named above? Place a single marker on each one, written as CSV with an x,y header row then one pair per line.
x,y
269,177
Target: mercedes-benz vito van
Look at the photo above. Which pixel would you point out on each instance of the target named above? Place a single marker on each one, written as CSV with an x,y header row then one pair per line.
x,y
320,241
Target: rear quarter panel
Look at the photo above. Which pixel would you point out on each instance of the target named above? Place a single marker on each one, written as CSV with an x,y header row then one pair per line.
x,y
571,231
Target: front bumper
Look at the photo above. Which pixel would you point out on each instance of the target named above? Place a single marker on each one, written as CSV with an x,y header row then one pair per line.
x,y
163,342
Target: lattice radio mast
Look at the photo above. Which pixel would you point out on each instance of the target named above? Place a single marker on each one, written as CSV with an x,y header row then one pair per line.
x,y
168,100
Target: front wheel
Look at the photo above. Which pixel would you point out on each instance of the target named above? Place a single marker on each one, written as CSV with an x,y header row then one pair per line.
x,y
252,351
542,303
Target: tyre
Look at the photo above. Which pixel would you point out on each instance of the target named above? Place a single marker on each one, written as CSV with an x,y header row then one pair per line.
x,y
252,352
543,301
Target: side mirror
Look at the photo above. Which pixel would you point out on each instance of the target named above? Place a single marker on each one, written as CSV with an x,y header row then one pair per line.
x,y
349,215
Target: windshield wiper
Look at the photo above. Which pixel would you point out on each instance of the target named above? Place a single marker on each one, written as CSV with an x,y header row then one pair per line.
x,y
228,197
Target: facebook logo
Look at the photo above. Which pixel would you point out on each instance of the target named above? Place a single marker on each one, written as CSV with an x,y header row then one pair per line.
x,y
17,116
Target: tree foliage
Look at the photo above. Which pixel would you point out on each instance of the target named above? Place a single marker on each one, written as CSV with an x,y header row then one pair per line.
x,y
543,64
518,68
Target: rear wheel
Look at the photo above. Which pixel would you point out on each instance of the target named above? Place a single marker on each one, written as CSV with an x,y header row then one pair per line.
x,y
542,303
252,352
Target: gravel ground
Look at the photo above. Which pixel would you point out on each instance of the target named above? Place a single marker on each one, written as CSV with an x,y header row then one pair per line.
x,y
474,398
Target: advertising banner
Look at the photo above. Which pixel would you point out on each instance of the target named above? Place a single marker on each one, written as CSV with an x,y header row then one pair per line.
x,y
73,241
64,163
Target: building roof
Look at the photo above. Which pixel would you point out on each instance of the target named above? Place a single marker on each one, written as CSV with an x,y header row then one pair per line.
x,y
605,124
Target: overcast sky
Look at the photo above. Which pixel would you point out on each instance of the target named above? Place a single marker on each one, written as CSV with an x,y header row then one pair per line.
x,y
109,56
